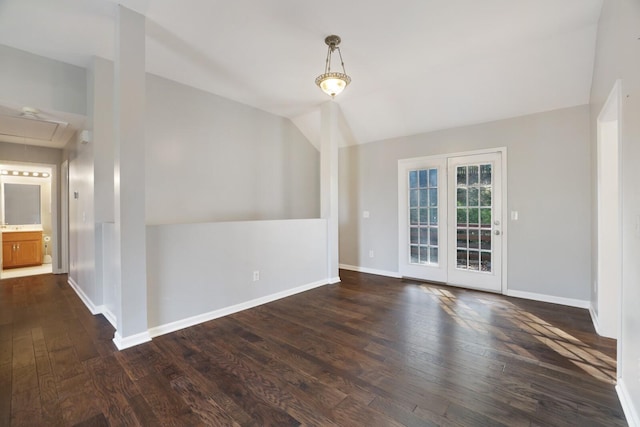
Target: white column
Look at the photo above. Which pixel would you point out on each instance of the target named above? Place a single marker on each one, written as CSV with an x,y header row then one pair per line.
x,y
329,137
129,179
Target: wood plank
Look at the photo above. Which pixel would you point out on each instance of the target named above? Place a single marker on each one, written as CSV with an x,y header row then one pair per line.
x,y
6,391
368,351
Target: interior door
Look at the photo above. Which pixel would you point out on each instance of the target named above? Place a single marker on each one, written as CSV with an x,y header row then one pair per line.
x,y
475,221
450,220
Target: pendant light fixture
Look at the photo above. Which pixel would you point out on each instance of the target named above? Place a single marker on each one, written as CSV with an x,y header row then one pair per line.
x,y
332,82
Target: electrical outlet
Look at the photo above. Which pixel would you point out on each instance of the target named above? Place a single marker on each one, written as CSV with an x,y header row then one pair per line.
x,y
256,275
370,253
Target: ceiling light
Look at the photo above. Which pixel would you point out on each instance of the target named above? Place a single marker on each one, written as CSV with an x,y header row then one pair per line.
x,y
25,173
45,175
15,173
36,174
4,172
332,82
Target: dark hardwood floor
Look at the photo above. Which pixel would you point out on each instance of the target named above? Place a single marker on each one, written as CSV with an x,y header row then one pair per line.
x,y
371,351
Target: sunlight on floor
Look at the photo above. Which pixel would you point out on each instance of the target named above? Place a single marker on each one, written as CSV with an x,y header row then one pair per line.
x,y
591,361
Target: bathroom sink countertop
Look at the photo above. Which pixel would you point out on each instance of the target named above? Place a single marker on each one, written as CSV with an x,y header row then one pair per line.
x,y
17,229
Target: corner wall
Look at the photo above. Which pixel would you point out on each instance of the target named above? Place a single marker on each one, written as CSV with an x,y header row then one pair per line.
x,y
207,159
618,57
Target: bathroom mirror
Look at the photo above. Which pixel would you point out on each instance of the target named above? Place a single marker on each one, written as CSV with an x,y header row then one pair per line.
x,y
21,204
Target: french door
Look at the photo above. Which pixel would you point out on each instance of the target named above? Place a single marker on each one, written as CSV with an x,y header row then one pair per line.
x,y
450,220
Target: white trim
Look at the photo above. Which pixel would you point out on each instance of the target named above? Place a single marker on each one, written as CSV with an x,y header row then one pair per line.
x,y
63,260
334,279
109,316
93,309
549,298
594,318
505,221
56,232
447,155
608,264
393,274
83,297
130,341
630,411
205,317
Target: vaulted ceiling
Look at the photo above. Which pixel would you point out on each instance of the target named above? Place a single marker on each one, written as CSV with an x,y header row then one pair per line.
x,y
416,65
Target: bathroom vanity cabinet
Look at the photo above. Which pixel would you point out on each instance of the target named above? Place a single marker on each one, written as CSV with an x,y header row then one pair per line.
x,y
21,249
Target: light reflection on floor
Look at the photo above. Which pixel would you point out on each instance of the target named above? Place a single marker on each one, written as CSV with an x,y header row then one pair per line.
x,y
26,271
591,361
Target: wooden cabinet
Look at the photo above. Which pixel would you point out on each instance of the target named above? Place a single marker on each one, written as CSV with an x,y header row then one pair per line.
x,y
21,249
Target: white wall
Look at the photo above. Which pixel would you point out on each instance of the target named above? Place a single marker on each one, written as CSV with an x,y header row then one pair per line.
x,y
618,56
100,112
35,81
81,220
208,159
201,271
27,79
548,184
213,159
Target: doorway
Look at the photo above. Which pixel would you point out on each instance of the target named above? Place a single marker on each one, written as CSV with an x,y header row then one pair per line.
x,y
28,219
451,211
605,308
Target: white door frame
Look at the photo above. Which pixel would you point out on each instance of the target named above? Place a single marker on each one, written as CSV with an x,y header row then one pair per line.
x,y
404,164
53,190
64,218
608,284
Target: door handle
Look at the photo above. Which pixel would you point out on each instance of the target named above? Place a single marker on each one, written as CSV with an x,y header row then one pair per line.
x,y
497,232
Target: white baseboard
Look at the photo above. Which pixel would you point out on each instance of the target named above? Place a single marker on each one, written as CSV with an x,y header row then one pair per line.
x,y
93,309
83,297
630,411
594,319
109,316
549,298
131,340
205,317
393,274
334,280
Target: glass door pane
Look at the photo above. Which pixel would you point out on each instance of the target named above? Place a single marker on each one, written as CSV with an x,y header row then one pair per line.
x,y
423,216
475,229
473,192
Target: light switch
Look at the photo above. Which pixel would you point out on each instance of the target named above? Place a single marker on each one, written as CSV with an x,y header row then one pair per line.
x,y
365,214
514,215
